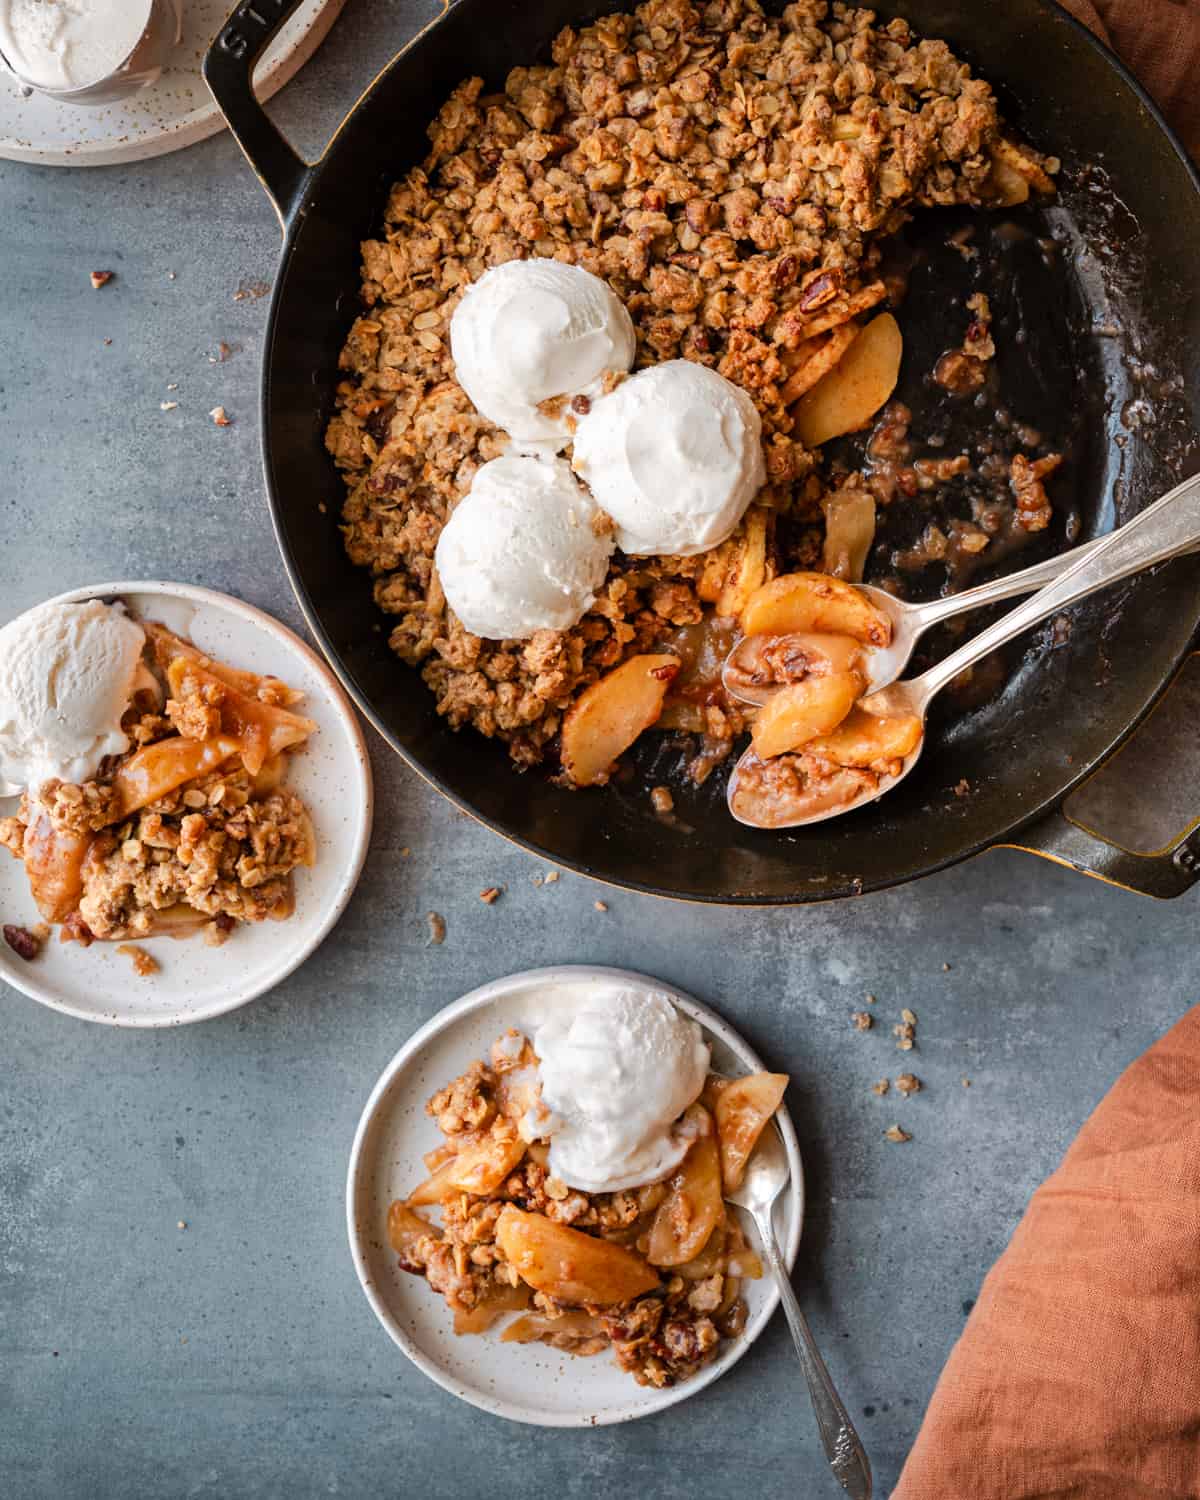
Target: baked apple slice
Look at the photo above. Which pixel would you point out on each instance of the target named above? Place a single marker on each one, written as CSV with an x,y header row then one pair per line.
x,y
694,1204
857,386
815,603
405,1228
608,716
743,1110
54,866
863,739
803,710
567,1264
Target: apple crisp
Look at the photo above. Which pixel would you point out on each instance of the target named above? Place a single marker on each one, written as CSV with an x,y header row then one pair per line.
x,y
734,177
652,1272
192,828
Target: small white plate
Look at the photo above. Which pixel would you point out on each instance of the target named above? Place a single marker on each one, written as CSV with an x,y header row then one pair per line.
x,y
176,111
523,1382
332,774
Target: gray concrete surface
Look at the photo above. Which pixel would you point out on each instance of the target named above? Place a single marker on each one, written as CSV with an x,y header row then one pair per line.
x,y
238,1357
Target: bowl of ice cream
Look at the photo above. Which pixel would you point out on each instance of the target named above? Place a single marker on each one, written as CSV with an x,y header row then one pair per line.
x,y
602,1080
87,51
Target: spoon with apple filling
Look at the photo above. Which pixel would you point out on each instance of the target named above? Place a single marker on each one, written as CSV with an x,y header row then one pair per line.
x,y
821,749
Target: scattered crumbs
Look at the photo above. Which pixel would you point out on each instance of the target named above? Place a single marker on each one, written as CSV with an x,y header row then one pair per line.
x,y
224,351
108,341
405,852
661,800
966,1083
489,896
551,877
437,928
896,1133
221,417
945,968
535,880
600,905
908,1084
881,1087
251,291
905,1031
143,964
167,405
962,788
101,278
182,1224
322,508
173,385
25,944
861,1020
870,999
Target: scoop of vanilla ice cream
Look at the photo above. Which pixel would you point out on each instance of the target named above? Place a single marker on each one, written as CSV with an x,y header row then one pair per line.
x,y
528,330
674,456
525,550
67,673
617,1072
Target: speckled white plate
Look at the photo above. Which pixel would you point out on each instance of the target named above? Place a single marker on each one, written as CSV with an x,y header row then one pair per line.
x,y
177,111
333,775
525,1383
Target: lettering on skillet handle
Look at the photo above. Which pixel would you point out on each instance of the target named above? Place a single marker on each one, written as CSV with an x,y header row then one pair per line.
x,y
253,15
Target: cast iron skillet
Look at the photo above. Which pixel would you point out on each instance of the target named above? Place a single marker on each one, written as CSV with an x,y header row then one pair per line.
x,y
1129,223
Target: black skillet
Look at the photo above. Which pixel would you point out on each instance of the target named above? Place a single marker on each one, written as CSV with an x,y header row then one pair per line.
x,y
1112,358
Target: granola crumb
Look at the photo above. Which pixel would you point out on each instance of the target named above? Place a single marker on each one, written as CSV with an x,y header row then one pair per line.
x,y
221,417
535,880
661,800
966,1083
405,852
143,964
946,968
600,905
905,1030
167,405
897,1134
881,1087
962,788
101,278
908,1084
862,1020
24,943
909,1015
551,877
489,896
437,928
251,291
870,999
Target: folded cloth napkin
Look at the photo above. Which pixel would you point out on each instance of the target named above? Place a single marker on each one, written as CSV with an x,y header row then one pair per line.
x,y
1160,42
1078,1374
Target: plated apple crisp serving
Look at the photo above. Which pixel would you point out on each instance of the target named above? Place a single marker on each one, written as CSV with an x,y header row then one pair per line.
x,y
155,798
582,1186
610,326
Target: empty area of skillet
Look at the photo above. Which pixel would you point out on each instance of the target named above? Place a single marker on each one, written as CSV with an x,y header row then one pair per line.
x,y
1125,342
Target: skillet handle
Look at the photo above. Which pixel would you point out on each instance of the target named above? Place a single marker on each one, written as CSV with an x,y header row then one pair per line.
x,y
1166,873
227,70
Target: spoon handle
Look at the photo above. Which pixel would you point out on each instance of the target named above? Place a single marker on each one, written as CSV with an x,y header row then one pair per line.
x,y
845,1453
1163,530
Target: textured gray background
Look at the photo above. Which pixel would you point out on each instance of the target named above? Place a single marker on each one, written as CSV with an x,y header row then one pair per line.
x,y
238,1357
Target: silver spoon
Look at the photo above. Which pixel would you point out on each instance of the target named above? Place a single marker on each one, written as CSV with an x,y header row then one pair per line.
x,y
766,1177
909,622
1166,529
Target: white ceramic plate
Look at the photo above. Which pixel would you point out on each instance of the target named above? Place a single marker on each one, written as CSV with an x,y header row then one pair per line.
x,y
177,111
332,774
525,1383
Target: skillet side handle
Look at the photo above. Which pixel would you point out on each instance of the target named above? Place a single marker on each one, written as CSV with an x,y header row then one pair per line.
x,y
1165,874
227,70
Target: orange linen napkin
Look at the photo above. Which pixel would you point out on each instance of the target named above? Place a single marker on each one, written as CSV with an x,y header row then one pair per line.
x,y
1160,42
1078,1374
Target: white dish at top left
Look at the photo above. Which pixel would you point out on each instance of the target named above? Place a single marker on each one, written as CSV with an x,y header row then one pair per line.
x,y
333,777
